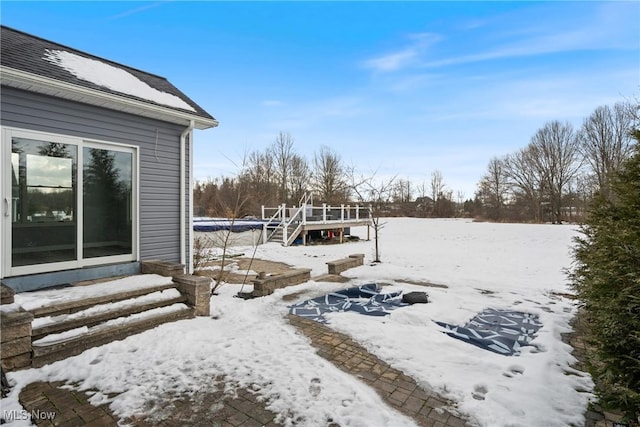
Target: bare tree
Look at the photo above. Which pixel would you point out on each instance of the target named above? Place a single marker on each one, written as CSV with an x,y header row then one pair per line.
x,y
555,151
299,178
606,141
260,174
282,152
422,189
494,188
228,200
378,194
443,205
329,177
460,202
402,192
423,201
526,179
437,184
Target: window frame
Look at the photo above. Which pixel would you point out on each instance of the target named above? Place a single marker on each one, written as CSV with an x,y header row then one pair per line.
x,y
6,268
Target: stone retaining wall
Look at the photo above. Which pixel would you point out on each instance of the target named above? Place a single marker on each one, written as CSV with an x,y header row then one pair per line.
x,y
197,289
265,285
163,268
16,340
338,266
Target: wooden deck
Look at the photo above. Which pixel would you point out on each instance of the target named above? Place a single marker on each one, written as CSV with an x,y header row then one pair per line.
x,y
286,224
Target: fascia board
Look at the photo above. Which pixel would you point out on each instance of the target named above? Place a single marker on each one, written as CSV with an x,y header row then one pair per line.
x,y
47,85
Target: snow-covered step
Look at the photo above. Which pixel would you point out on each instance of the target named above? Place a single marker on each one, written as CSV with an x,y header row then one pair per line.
x,y
46,325
58,346
77,298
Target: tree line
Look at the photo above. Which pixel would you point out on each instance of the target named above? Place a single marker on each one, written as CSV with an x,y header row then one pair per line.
x,y
553,178
274,176
556,176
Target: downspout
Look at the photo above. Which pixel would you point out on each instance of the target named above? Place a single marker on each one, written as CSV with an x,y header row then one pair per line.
x,y
183,205
190,218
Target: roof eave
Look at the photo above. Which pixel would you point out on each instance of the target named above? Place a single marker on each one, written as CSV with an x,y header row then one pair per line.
x,y
35,83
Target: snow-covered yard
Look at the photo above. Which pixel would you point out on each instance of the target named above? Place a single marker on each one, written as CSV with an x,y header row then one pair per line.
x,y
483,265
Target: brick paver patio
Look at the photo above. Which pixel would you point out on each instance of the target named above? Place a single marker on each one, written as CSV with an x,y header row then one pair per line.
x,y
398,390
71,408
62,407
244,408
51,405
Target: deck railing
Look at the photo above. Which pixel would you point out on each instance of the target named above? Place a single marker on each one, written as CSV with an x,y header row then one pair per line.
x,y
291,220
325,213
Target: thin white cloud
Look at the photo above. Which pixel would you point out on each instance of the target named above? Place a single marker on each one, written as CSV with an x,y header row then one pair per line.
x,y
272,103
392,61
419,44
566,41
612,26
139,9
303,116
413,82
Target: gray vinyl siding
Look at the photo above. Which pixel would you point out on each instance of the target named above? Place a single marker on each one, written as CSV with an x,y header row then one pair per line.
x,y
159,154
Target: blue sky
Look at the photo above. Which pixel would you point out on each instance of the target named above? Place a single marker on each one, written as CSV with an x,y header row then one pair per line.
x,y
393,87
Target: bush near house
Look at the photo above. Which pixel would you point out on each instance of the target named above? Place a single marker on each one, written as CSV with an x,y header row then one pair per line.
x,y
607,281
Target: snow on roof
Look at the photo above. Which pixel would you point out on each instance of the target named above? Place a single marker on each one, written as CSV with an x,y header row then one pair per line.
x,y
111,77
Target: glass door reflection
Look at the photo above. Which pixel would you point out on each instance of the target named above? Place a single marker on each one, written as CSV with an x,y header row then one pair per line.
x,y
107,203
43,202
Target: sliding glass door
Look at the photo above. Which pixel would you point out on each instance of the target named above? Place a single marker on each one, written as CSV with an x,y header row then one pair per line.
x,y
107,201
43,202
71,203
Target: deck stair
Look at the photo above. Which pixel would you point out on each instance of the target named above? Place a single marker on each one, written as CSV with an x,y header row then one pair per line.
x,y
285,225
71,320
293,231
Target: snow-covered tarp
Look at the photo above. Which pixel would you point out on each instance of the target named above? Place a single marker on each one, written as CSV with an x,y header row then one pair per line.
x,y
366,299
500,331
205,224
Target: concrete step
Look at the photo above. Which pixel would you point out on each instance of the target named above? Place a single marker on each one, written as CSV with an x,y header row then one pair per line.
x,y
54,347
92,316
72,306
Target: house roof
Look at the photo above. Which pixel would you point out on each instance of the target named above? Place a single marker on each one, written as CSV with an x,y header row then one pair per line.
x,y
35,64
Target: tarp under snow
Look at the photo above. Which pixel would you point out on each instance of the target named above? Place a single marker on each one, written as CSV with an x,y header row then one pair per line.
x,y
365,299
500,331
217,224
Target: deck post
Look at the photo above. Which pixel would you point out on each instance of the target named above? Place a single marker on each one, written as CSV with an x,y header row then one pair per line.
x,y
357,213
285,238
341,216
324,213
263,212
284,225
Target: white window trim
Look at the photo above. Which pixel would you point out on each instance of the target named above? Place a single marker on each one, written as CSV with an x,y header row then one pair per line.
x,y
6,270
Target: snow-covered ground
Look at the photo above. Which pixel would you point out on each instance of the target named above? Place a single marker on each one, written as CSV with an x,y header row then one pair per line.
x,y
508,266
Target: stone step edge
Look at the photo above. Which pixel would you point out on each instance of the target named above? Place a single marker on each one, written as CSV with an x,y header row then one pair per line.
x,y
69,307
74,346
89,321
